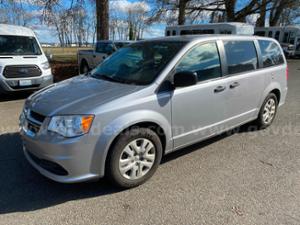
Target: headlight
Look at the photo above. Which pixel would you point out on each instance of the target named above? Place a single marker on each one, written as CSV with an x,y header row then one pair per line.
x,y
45,65
71,126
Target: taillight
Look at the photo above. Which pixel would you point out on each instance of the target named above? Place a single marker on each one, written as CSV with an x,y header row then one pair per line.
x,y
287,73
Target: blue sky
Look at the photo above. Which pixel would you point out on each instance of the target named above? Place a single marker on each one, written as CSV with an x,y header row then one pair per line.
x,y
48,34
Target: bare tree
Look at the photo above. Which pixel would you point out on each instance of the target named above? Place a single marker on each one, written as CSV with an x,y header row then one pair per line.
x,y
102,9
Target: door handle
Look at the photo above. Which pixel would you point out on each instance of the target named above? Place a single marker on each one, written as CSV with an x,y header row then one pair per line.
x,y
219,89
234,85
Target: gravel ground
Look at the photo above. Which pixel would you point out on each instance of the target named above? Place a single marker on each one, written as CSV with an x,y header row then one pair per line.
x,y
249,178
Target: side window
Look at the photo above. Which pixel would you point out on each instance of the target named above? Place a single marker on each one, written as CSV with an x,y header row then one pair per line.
x,y
277,34
208,31
241,56
225,32
271,53
270,34
292,38
204,60
260,33
285,37
186,32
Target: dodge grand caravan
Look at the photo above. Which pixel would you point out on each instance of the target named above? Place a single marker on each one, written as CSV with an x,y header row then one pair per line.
x,y
23,64
149,99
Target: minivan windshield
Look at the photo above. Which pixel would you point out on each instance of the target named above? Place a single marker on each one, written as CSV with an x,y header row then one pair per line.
x,y
139,63
18,45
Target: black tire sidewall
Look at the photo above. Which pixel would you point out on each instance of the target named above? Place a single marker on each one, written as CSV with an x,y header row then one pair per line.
x,y
126,137
83,66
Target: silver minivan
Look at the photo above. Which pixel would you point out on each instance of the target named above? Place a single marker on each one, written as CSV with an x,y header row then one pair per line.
x,y
149,99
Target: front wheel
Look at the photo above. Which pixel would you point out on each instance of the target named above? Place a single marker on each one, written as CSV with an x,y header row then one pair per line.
x,y
267,112
134,157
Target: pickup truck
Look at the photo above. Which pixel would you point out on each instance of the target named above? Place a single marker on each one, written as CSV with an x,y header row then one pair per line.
x,y
89,59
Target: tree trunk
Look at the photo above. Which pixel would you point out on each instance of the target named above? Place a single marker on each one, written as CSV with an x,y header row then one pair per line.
x,y
230,6
102,8
181,16
261,20
277,11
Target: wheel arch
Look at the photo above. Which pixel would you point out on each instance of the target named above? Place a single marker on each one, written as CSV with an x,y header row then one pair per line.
x,y
160,126
277,92
275,88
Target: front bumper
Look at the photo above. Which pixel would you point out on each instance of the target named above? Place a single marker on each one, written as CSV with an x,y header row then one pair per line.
x,y
72,156
12,85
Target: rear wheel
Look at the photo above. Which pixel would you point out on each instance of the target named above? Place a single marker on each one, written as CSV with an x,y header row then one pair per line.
x,y
267,112
134,157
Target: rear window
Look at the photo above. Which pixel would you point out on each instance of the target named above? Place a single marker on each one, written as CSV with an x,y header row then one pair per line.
x,y
106,48
241,56
271,53
18,45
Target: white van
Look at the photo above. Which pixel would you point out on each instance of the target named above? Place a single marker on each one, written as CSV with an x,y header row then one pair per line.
x,y
288,37
23,64
211,28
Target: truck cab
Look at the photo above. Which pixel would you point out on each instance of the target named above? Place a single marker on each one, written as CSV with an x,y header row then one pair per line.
x,y
89,59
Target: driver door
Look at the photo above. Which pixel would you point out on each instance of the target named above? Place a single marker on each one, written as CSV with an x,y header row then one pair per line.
x,y
198,111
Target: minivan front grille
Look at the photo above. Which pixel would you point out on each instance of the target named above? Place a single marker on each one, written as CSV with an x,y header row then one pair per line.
x,y
21,71
36,116
34,121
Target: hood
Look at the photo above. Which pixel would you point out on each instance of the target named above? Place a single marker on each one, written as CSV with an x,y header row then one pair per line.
x,y
79,95
6,60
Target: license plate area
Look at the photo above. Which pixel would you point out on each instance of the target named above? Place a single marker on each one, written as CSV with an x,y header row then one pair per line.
x,y
24,83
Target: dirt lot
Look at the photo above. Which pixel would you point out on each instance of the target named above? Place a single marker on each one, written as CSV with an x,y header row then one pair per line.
x,y
247,178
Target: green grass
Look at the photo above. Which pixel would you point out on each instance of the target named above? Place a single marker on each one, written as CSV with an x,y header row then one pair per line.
x,y
63,55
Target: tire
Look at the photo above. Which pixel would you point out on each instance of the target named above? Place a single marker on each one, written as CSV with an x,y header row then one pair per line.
x,y
262,122
127,167
84,67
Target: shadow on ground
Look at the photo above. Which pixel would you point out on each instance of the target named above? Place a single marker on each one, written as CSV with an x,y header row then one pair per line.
x,y
14,96
23,189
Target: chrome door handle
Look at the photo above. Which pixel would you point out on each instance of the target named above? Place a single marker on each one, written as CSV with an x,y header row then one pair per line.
x,y
234,85
219,89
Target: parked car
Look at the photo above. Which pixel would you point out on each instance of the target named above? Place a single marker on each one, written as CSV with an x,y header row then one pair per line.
x,y
89,59
23,64
149,99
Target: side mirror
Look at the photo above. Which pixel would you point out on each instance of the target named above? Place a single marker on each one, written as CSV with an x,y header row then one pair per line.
x,y
185,78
